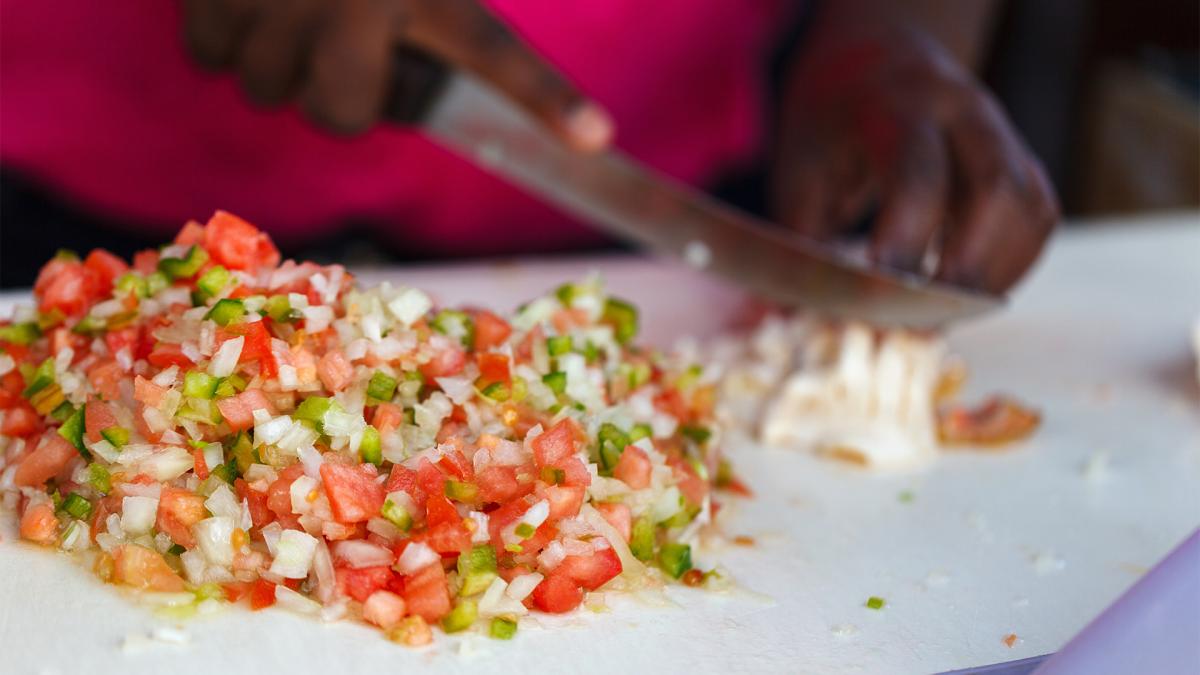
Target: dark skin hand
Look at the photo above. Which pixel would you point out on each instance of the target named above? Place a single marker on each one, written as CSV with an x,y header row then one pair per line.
x,y
877,113
874,112
335,57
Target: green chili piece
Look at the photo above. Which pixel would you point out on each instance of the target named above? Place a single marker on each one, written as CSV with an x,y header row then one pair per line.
x,y
382,386
675,559
371,446
226,311
502,628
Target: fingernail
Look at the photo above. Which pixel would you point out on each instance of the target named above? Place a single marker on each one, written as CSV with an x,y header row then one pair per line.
x,y
589,127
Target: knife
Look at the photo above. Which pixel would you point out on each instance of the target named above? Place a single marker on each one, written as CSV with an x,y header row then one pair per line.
x,y
625,198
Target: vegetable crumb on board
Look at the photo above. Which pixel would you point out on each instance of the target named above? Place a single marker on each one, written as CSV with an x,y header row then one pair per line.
x,y
906,497
1011,640
136,643
743,540
1095,467
875,602
1047,562
844,630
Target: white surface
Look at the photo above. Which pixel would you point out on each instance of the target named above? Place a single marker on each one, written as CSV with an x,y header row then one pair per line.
x,y
1021,541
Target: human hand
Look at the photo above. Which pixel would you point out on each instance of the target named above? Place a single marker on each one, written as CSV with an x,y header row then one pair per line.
x,y
876,112
336,57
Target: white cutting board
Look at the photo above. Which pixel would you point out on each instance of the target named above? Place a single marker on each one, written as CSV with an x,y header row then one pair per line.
x,y
1019,541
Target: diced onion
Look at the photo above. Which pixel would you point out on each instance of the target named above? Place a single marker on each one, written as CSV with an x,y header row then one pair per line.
x,y
215,537
138,514
272,430
409,305
292,601
415,557
358,554
495,602
300,489
459,389
293,554
521,586
222,502
167,464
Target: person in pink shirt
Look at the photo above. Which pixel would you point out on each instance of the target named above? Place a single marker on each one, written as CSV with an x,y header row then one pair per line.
x,y
107,104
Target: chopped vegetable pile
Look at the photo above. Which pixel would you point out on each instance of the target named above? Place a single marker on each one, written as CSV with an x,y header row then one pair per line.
x,y
210,421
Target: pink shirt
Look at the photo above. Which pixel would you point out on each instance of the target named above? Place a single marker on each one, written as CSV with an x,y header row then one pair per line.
x,y
100,102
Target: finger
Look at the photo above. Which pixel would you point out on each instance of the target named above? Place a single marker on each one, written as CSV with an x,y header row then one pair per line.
x,y
803,195
213,29
1006,210
913,203
348,74
464,33
272,59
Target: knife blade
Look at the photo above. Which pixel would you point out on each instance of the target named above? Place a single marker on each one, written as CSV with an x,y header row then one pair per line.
x,y
635,203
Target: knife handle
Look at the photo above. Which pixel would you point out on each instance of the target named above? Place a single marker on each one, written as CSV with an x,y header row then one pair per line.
x,y
416,81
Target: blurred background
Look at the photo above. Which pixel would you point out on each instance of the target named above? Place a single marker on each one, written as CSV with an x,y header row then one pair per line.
x,y
1106,92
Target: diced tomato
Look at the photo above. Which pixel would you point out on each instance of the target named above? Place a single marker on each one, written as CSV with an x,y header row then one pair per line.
x,y
693,487
361,583
505,516
178,510
260,513
97,416
279,496
67,286
236,590
566,319
524,351
404,479
387,418
200,464
262,594
335,371
384,609
446,363
49,458
116,340
447,538
498,484
106,266
257,345
354,496
672,403
619,516
633,468
238,245
490,330
565,502
238,410
431,479
62,338
192,234
39,525
439,510
20,420
145,262
165,355
557,594
426,593
455,464
555,443
591,571
141,567
492,368
575,473
145,391
106,378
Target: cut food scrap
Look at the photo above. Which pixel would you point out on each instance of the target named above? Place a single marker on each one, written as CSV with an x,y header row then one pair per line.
x,y
858,394
210,420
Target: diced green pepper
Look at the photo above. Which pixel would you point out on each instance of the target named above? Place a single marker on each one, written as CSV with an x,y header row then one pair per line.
x,y
382,386
243,452
524,530
208,591
132,282
227,472
557,381
20,333
371,446
48,320
476,569
906,497
875,602
683,516
185,267
156,282
497,391
99,478
612,443
639,431
313,410
641,538
397,514
460,491
42,377
226,311
72,430
675,559
212,282
639,374
63,412
116,436
557,345
502,628
89,325
696,433
200,385
176,549
76,505
461,617
48,399
279,308
623,317
566,293
455,324
590,351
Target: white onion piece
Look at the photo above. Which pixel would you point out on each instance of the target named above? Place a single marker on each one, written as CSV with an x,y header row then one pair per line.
x,y
415,557
222,502
167,464
293,554
295,602
215,536
520,587
359,554
299,491
225,361
138,514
